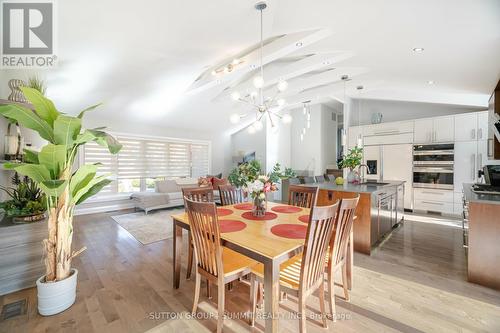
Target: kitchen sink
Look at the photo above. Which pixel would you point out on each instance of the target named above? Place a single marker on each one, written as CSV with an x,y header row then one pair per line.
x,y
368,183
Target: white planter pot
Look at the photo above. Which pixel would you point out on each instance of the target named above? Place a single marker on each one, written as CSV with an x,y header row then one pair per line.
x,y
55,297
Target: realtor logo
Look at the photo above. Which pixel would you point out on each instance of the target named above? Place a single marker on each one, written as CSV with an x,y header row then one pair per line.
x,y
27,34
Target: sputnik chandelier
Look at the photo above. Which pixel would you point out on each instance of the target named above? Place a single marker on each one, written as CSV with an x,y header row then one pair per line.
x,y
264,107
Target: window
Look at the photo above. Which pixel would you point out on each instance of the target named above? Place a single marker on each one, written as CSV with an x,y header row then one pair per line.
x,y
142,161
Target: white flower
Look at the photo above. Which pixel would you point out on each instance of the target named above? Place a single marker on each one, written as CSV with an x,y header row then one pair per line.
x,y
255,186
262,196
263,178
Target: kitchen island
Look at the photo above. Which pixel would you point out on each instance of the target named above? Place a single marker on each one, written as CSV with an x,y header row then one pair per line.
x,y
481,236
379,209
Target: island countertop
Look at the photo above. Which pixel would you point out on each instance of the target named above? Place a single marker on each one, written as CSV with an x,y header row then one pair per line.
x,y
355,188
472,196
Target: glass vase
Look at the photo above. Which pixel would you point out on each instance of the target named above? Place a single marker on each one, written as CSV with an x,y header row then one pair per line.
x,y
259,206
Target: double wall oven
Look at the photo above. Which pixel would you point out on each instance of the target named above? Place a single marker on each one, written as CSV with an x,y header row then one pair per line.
x,y
433,166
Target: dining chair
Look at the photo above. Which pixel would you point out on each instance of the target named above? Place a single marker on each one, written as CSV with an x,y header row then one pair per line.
x,y
294,181
302,196
327,177
202,194
230,195
338,249
216,263
303,274
319,179
308,180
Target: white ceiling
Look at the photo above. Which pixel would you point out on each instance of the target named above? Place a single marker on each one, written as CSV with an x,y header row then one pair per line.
x,y
142,58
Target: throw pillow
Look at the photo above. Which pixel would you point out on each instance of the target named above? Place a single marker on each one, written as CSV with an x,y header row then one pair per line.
x,y
204,182
215,176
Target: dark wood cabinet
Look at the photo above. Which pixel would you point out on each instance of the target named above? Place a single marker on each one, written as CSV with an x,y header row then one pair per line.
x,y
494,109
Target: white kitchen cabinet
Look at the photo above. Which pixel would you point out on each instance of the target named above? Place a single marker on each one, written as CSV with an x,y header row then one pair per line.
x,y
465,170
466,127
482,156
423,131
444,129
482,125
397,161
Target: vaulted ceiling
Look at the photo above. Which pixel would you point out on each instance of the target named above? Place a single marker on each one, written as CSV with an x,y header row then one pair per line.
x,y
152,61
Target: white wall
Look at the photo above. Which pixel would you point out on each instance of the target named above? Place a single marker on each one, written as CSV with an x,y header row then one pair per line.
x,y
396,110
329,137
243,143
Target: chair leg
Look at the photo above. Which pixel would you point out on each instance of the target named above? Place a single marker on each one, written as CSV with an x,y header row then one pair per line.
x,y
260,295
209,294
190,256
344,283
302,313
322,304
253,298
220,307
196,292
230,286
331,294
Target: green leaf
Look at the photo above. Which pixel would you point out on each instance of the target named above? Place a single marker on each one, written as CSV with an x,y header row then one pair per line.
x,y
53,157
30,156
28,119
82,177
12,165
93,190
82,191
43,106
81,114
102,138
66,129
53,188
39,173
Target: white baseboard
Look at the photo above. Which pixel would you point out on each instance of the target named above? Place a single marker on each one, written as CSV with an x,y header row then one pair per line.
x,y
103,209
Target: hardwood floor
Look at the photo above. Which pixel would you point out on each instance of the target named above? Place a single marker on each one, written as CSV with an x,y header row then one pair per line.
x,y
413,282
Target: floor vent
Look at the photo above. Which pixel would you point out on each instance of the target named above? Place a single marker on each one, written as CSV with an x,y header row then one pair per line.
x,y
11,310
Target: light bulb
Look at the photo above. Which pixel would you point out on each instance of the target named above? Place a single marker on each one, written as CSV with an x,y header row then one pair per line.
x,y
214,72
235,95
236,61
258,125
304,109
253,94
281,102
287,119
234,118
308,124
301,137
251,129
258,82
304,130
360,142
282,85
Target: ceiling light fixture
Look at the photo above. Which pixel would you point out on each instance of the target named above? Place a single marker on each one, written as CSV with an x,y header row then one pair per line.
x,y
430,82
418,49
360,138
263,107
298,44
228,68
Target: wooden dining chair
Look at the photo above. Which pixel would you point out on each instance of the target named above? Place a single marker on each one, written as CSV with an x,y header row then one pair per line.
x,y
230,195
319,179
308,180
214,262
201,194
338,249
303,274
302,196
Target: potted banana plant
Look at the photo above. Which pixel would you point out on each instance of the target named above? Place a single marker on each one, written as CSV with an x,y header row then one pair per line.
x,y
64,184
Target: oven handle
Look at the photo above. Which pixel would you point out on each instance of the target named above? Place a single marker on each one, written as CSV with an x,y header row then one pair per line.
x,y
442,170
433,152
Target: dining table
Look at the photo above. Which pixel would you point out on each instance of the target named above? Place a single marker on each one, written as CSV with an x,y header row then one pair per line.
x,y
271,239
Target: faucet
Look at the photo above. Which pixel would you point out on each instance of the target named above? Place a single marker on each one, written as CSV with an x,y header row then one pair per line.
x,y
367,171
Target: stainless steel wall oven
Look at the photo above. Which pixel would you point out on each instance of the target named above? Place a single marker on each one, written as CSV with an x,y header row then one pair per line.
x,y
433,166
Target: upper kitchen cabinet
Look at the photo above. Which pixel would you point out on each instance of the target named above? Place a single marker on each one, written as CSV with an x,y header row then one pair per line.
x,y
434,130
471,126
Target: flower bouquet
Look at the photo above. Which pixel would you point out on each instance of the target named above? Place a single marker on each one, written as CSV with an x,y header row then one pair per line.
x,y
257,190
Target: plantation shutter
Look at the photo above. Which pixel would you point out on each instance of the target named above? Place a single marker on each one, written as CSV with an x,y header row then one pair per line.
x,y
146,158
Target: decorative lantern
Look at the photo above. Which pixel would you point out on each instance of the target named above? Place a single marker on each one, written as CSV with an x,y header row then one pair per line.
x,y
13,144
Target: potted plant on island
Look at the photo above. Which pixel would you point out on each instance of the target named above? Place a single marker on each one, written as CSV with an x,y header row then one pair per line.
x,y
351,161
249,177
64,184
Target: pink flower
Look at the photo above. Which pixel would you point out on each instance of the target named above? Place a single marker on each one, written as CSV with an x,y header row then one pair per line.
x,y
267,187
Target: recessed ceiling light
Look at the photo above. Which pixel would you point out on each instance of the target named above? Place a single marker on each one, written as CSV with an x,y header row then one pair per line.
x,y
430,82
253,66
418,49
298,44
326,62
217,81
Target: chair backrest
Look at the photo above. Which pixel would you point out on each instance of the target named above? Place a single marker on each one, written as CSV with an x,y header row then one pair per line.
x,y
320,179
302,196
319,233
343,228
230,195
206,235
308,180
293,181
202,194
327,178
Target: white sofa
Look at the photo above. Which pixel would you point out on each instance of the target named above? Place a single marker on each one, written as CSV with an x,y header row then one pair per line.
x,y
168,193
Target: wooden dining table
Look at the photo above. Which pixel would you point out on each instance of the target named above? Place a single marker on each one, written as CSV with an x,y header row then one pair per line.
x,y
257,241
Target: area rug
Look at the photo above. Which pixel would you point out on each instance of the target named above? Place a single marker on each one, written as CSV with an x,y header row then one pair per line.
x,y
150,228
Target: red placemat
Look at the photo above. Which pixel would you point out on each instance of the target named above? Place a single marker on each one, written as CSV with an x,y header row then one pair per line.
x,y
268,216
304,218
286,209
244,206
224,211
293,231
231,225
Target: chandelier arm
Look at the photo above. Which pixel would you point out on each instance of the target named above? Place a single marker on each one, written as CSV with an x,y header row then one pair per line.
x,y
270,118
